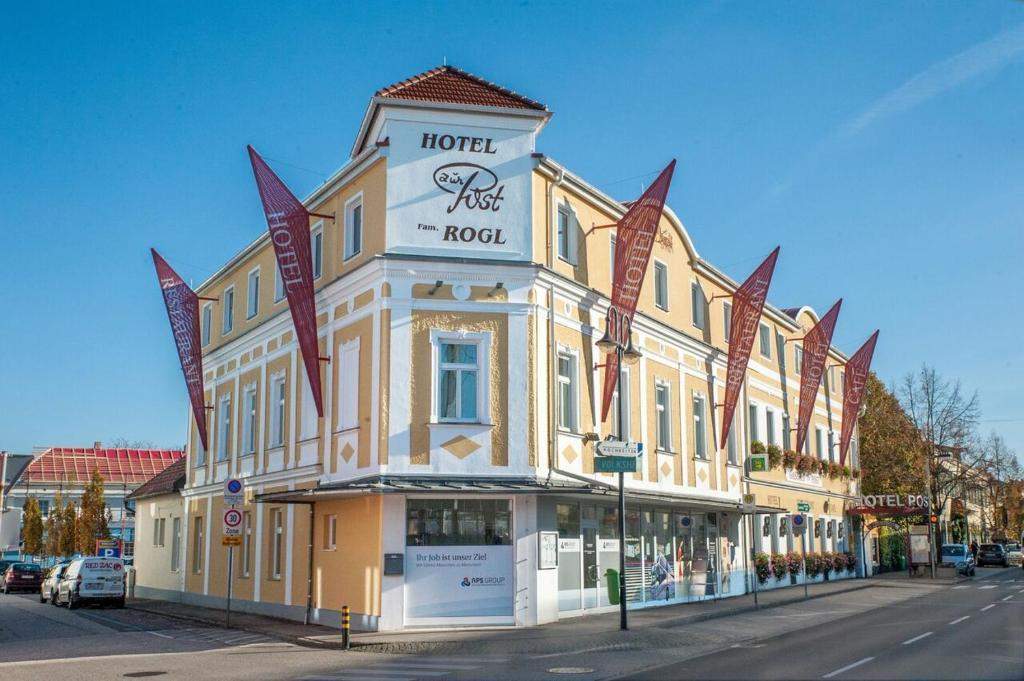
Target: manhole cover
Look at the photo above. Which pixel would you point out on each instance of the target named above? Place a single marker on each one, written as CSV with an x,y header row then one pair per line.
x,y
139,675
570,670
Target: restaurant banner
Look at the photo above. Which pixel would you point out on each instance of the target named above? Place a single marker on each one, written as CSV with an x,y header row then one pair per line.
x,y
853,391
747,304
288,222
634,240
183,313
815,345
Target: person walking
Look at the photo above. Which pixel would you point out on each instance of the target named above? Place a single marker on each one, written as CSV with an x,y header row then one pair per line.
x,y
974,550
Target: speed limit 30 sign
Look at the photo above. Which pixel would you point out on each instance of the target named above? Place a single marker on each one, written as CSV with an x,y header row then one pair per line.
x,y
232,522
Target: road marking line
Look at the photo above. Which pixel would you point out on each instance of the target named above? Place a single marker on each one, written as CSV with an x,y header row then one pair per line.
x,y
987,607
962,586
385,672
155,633
917,638
960,619
848,667
1008,597
990,586
1021,591
424,665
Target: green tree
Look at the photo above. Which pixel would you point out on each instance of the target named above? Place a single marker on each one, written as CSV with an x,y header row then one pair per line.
x,y
68,529
54,521
892,452
32,527
92,520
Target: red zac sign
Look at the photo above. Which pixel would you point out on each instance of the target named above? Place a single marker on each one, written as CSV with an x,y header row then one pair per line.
x,y
815,345
183,313
747,304
288,222
853,391
635,235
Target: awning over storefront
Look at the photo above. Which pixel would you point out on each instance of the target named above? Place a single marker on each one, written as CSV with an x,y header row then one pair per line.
x,y
576,485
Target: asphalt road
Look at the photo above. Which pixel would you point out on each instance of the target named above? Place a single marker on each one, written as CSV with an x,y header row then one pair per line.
x,y
971,631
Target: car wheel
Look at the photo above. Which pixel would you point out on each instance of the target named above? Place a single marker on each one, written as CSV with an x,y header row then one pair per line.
x,y
42,597
55,599
72,603
119,604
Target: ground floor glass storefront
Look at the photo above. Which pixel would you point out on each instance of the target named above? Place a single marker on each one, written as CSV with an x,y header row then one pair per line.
x,y
672,555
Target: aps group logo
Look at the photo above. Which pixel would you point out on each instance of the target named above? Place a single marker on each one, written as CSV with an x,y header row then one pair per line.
x,y
482,581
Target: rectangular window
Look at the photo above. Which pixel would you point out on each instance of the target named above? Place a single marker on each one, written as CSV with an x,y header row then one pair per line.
x,y
733,450
277,403
566,391
316,243
158,532
227,320
697,304
798,360
664,414
611,255
278,285
197,545
252,307
224,429
458,522
819,443
831,446
699,429
276,542
175,544
330,532
786,435
207,323
458,370
727,320
661,285
842,382
249,421
354,227
752,422
348,402
765,338
563,233
613,424
769,424
246,543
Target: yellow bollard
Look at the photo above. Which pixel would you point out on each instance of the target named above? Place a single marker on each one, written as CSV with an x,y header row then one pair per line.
x,y
345,624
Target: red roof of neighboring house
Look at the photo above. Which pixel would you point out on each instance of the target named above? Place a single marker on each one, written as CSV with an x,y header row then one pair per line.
x,y
76,464
451,85
167,481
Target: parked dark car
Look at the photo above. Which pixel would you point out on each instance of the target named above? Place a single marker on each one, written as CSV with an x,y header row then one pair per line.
x,y
4,564
22,577
993,554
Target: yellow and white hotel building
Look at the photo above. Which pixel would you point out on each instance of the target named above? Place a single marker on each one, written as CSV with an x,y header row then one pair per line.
x,y
460,294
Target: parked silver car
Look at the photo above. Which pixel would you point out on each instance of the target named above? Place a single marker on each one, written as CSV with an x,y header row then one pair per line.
x,y
48,590
958,556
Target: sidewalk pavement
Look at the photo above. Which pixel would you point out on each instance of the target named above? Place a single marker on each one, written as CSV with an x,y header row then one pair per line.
x,y
648,626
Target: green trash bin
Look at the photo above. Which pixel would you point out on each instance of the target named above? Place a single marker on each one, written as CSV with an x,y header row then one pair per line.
x,y
611,578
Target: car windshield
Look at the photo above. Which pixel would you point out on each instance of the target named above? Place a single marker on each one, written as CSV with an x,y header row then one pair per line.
x,y
953,550
1013,547
27,567
991,547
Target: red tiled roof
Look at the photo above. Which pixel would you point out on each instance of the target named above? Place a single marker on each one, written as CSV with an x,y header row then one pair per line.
x,y
170,479
76,464
451,85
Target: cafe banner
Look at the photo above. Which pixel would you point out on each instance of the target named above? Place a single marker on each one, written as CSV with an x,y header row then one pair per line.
x,y
853,391
183,313
288,222
747,304
634,239
816,345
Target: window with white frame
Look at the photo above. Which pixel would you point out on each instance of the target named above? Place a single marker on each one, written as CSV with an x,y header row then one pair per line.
x,y
249,420
700,436
786,434
697,304
661,285
207,323
354,226
224,428
819,442
567,394
831,446
348,379
277,405
798,360
159,525
246,543
727,320
316,244
308,417
752,422
731,444
330,532
227,319
198,545
278,285
611,255
276,542
564,237
769,425
252,294
613,423
175,544
662,402
765,340
842,382
458,380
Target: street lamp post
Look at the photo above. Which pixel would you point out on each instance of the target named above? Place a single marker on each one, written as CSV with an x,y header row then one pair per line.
x,y
618,339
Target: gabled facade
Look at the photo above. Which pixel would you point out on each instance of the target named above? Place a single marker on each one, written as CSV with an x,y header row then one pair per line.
x,y
460,292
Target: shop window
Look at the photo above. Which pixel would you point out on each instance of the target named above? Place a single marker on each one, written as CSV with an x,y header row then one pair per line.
x,y
699,427
207,322
567,516
197,545
567,401
252,294
175,544
224,429
330,532
765,341
316,245
246,543
458,522
354,226
276,542
457,382
664,416
661,285
227,320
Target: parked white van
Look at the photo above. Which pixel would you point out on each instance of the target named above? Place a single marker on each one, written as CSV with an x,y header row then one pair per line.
x,y
92,580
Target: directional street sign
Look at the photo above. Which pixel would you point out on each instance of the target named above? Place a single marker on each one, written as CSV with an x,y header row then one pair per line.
x,y
799,524
803,506
615,464
232,522
234,492
617,448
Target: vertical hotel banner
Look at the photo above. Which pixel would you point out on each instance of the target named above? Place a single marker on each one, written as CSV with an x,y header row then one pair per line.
x,y
853,391
634,240
183,313
816,344
288,222
747,304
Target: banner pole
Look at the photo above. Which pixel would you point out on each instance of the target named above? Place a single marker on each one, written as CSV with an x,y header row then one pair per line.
x,y
803,549
227,612
623,437
752,553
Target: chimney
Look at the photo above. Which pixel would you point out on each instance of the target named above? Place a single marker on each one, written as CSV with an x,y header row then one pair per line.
x,y
97,445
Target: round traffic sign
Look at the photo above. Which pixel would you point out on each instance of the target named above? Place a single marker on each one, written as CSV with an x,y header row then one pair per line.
x,y
232,517
234,486
798,520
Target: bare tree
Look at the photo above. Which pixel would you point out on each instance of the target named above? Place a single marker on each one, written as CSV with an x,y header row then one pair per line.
x,y
1003,469
125,443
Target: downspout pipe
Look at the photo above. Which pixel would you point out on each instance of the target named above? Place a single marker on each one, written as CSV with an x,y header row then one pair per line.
x,y
552,346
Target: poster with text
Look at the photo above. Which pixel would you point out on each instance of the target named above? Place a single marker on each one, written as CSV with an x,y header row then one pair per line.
x,y
458,581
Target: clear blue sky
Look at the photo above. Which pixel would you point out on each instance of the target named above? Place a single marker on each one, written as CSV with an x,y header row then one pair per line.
x,y
880,145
